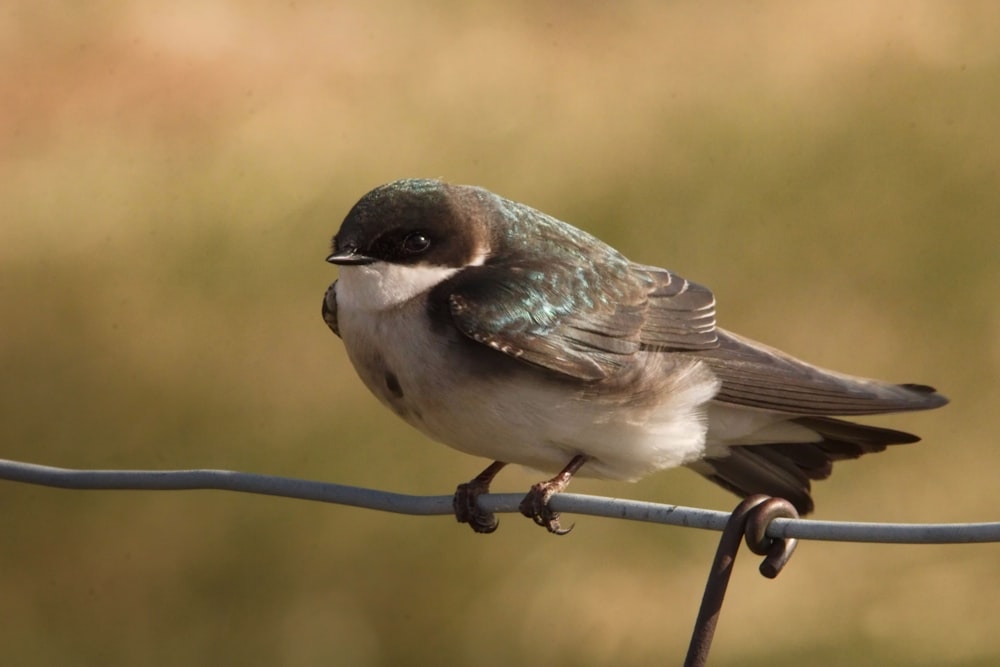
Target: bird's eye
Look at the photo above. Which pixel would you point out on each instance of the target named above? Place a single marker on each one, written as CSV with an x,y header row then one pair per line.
x,y
416,243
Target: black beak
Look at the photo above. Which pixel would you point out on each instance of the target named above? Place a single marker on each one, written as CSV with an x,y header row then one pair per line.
x,y
349,257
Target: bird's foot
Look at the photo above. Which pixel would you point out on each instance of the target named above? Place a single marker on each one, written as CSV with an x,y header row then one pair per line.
x,y
465,503
467,510
535,506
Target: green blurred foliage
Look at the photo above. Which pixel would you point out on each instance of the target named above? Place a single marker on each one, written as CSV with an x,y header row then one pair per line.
x,y
170,176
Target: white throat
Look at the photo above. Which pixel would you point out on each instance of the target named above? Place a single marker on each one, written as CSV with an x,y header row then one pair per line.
x,y
382,285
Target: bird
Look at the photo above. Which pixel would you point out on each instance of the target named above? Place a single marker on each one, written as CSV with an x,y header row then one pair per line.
x,y
508,334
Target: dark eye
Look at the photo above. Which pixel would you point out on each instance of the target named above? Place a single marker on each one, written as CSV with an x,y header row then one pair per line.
x,y
415,243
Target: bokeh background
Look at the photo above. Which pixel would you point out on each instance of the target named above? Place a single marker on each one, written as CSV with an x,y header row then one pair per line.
x,y
170,176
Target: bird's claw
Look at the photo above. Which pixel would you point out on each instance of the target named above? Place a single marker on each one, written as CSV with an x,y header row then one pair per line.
x,y
535,506
467,510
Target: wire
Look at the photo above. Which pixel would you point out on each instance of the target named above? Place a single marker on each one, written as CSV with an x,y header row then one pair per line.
x,y
615,508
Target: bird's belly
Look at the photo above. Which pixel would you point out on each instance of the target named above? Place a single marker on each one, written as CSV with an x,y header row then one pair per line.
x,y
513,412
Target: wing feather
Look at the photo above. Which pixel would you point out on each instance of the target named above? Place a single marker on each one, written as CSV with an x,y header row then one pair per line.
x,y
759,376
579,321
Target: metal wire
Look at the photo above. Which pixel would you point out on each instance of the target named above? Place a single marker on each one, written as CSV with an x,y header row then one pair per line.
x,y
748,521
674,515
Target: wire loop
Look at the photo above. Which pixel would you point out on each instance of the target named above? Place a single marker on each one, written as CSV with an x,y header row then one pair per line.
x,y
748,522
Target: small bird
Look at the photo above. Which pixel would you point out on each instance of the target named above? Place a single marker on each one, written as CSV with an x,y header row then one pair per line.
x,y
505,333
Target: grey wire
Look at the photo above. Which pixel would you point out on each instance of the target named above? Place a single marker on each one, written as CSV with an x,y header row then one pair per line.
x,y
615,508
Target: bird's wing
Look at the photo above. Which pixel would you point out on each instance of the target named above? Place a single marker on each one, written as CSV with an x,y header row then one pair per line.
x,y
577,319
759,376
587,319
330,308
678,314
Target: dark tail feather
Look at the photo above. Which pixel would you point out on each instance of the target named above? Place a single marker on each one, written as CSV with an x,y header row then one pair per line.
x,y
785,470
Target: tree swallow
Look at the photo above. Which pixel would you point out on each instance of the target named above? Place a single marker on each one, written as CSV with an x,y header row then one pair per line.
x,y
508,334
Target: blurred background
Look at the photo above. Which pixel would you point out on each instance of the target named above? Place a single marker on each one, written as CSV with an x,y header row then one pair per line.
x,y
170,177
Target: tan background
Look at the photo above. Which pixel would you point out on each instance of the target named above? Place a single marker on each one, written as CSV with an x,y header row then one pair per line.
x,y
170,175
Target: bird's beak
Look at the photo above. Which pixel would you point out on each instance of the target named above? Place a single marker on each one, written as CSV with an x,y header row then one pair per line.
x,y
349,257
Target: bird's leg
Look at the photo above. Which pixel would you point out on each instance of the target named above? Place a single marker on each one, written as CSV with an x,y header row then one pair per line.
x,y
466,508
535,505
